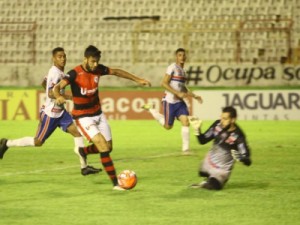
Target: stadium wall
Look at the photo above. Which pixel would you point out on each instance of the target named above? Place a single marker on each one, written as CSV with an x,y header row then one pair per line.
x,y
229,42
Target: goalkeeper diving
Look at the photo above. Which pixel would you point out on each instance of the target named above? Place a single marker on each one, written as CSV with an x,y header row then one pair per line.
x,y
229,146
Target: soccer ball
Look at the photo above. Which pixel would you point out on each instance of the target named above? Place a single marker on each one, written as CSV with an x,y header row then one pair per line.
x,y
127,179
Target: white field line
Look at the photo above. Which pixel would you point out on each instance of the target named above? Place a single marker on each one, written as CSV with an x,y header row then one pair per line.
x,y
68,167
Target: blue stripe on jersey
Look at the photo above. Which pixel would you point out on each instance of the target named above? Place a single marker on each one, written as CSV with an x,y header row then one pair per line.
x,y
178,80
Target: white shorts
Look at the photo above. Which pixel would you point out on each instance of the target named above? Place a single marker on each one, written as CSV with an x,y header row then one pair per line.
x,y
91,126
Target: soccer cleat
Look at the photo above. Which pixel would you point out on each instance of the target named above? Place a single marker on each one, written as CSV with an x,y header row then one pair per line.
x,y
207,186
199,185
147,106
90,170
118,188
3,147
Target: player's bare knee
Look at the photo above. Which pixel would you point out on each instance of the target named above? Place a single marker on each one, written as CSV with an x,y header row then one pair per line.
x,y
110,146
73,131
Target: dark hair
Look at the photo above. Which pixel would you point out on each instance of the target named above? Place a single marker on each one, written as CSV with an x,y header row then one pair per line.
x,y
179,50
92,51
58,49
230,110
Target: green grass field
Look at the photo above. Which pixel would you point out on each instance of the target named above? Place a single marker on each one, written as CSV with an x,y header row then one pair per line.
x,y
43,186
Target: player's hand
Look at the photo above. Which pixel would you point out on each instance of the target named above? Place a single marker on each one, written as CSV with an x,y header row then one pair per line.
x,y
195,123
198,98
236,155
240,158
144,82
182,95
60,100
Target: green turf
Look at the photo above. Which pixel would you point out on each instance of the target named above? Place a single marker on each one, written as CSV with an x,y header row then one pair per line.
x,y
43,185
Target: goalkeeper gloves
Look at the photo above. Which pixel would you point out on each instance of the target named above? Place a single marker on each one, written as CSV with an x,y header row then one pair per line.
x,y
196,124
236,155
240,158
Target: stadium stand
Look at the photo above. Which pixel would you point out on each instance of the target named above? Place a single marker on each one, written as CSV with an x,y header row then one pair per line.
x,y
148,31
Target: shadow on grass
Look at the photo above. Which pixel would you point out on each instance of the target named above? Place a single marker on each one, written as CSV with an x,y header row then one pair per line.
x,y
247,185
229,189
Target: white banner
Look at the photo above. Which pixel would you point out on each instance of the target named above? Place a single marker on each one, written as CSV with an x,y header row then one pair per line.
x,y
250,104
202,75
242,75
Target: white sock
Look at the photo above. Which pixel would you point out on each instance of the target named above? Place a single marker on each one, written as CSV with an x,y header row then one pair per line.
x,y
79,143
185,135
159,117
21,142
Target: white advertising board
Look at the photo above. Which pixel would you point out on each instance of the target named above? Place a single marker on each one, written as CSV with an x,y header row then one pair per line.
x,y
250,104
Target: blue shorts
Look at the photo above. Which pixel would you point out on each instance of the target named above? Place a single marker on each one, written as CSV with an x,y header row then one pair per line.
x,y
48,124
174,110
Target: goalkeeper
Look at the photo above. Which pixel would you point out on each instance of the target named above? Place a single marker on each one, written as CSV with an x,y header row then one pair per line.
x,y
229,145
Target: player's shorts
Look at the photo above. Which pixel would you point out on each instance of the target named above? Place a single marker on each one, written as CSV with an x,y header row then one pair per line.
x,y
48,125
212,170
91,126
173,111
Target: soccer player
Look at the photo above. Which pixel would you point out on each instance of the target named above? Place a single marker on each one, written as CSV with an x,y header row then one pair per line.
x,y
53,115
175,99
229,145
91,122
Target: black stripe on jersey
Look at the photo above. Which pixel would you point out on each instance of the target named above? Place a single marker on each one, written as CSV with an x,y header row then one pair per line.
x,y
99,112
87,105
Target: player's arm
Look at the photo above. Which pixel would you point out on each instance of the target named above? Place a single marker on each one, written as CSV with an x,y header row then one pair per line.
x,y
208,135
60,99
193,95
44,83
242,154
129,76
62,92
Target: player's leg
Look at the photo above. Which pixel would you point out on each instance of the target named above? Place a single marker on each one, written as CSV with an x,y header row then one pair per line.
x,y
78,149
93,134
45,128
67,125
105,130
215,178
185,134
203,171
105,158
156,115
182,115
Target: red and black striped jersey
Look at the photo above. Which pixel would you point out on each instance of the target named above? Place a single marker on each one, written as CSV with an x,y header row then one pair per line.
x,y
84,87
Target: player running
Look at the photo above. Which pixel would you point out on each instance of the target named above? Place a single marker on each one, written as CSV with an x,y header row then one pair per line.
x,y
53,116
175,100
229,146
91,122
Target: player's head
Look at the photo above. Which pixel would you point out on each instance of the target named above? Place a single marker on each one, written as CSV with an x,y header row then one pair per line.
x,y
92,57
180,56
228,117
59,58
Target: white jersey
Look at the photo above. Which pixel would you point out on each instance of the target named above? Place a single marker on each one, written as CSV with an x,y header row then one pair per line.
x,y
177,82
50,108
